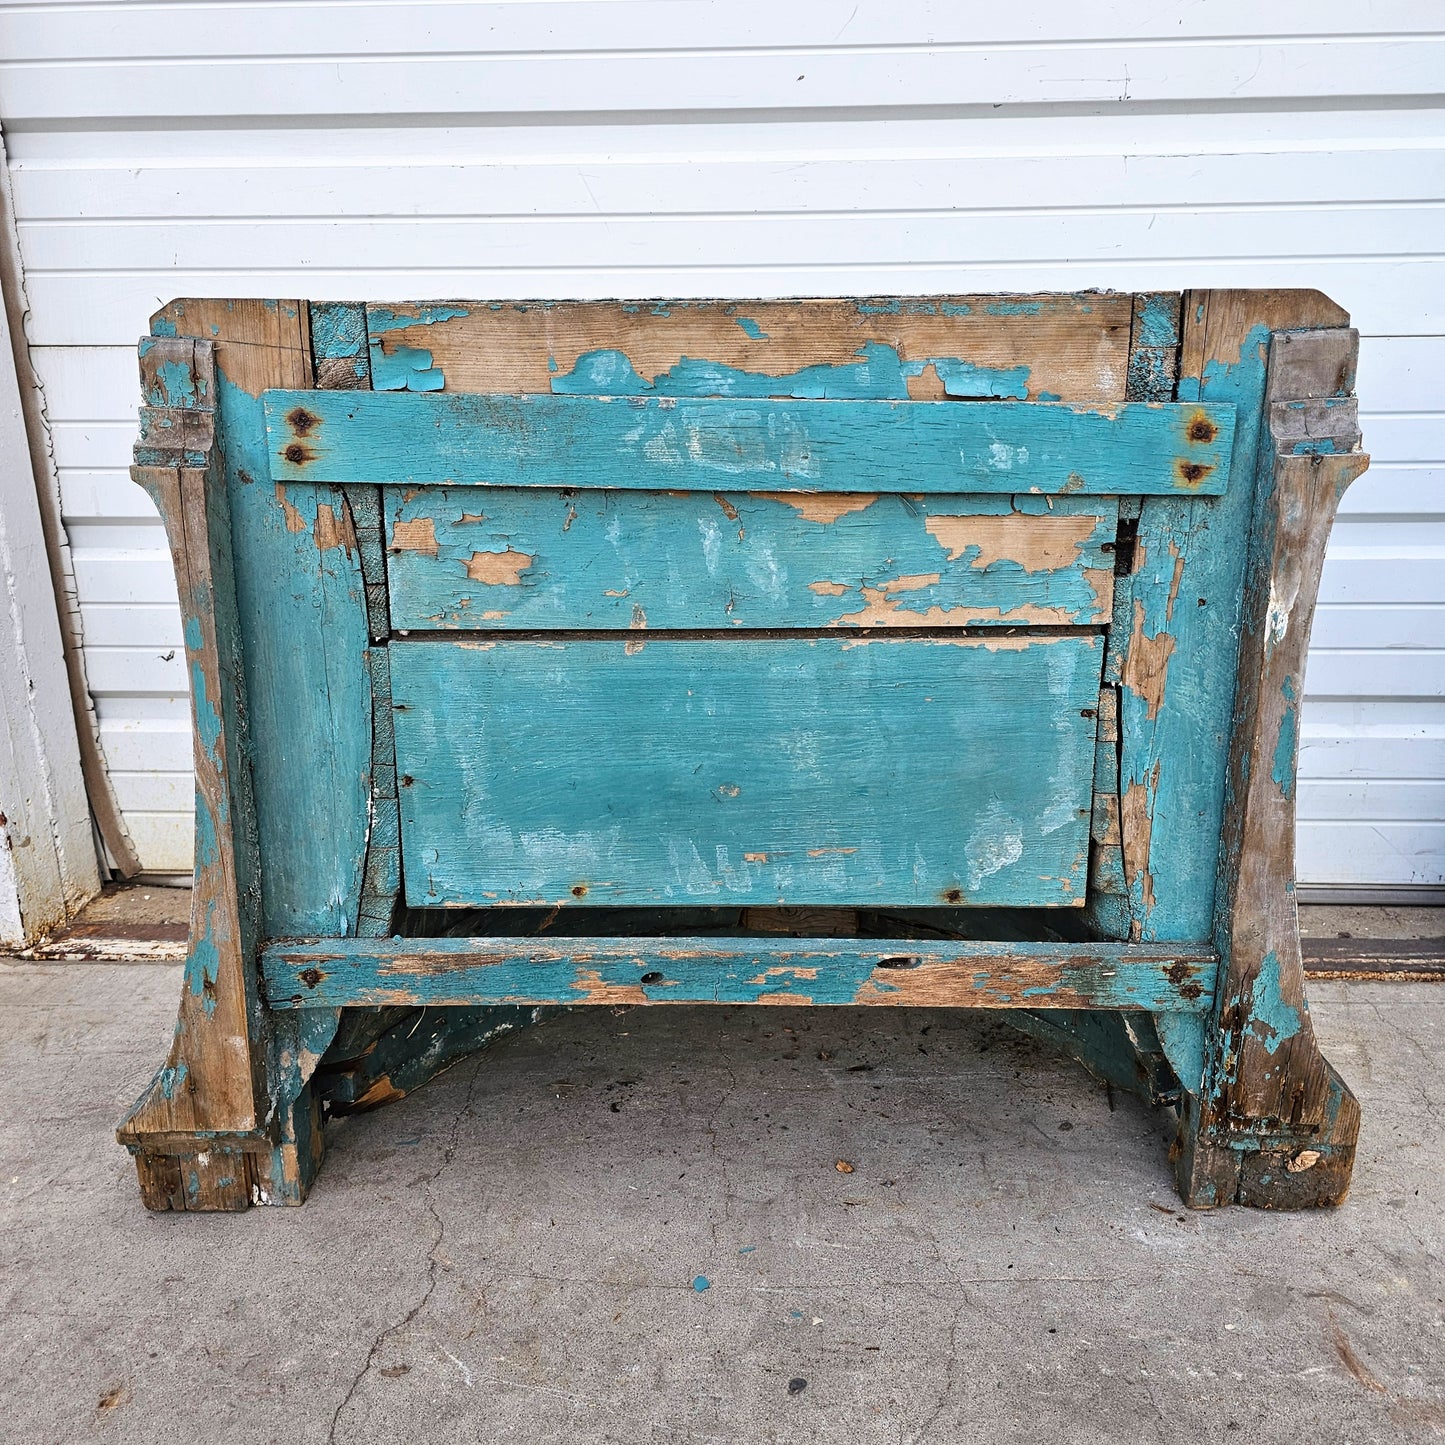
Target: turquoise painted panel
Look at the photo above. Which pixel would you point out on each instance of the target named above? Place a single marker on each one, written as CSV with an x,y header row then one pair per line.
x,y
532,558
747,771
879,971
1183,611
301,609
666,444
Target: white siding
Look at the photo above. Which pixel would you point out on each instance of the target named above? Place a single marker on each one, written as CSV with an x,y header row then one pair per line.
x,y
690,147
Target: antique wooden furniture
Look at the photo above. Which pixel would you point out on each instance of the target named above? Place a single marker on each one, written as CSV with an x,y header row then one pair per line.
x,y
934,651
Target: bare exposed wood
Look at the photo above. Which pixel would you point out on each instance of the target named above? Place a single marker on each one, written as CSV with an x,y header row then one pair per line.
x,y
1072,347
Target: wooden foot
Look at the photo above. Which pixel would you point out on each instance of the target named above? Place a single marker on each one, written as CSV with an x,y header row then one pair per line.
x,y
1306,1167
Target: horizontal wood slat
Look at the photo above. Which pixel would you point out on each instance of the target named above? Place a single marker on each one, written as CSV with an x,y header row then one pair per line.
x,y
1171,978
542,559
670,444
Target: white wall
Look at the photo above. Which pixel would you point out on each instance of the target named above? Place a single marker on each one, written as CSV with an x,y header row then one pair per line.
x,y
687,147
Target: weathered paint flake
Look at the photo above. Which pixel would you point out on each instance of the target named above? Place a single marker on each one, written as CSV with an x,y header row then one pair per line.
x,y
1037,544
418,535
496,569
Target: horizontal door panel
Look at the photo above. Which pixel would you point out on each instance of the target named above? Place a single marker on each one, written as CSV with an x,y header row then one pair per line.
x,y
534,558
756,771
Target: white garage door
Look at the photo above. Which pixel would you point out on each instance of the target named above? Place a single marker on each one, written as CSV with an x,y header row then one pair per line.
x,y
688,147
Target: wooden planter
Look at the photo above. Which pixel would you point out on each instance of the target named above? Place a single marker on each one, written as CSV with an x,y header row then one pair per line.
x,y
916,651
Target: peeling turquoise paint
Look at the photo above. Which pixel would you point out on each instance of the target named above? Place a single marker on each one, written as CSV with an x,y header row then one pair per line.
x,y
752,328
963,379
176,385
1014,308
1048,396
901,307
1156,324
1271,1020
208,717
203,961
1286,746
701,1283
1314,446
171,1078
403,368
163,326
380,320
879,374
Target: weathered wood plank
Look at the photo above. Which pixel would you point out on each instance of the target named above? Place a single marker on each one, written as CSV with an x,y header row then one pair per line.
x,y
704,444
750,771
886,972
1072,348
529,558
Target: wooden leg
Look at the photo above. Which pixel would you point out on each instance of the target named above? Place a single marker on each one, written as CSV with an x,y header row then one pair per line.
x,y
231,1117
1274,1125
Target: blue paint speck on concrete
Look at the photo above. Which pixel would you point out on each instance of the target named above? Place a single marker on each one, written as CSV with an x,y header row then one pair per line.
x,y
701,1283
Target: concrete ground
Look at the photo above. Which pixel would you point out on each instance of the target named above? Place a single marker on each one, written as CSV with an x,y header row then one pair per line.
x,y
632,1226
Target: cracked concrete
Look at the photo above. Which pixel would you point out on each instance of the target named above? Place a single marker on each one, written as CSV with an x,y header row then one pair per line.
x,y
506,1256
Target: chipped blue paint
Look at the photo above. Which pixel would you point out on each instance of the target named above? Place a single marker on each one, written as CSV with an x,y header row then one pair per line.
x,y
171,1078
1314,446
176,385
1014,308
701,1283
902,306
163,326
1048,396
963,379
203,960
1271,1020
403,368
379,320
879,374
1156,324
208,716
752,328
1287,744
